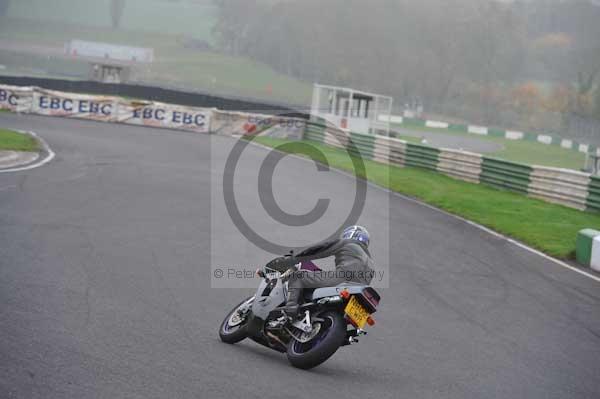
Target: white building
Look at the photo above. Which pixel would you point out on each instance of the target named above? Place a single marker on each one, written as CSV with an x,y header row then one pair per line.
x,y
109,63
352,110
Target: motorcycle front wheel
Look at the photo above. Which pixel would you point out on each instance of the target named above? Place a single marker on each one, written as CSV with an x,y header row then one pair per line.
x,y
331,335
234,328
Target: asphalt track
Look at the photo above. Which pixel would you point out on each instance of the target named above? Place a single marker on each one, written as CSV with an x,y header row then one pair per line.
x,y
105,286
457,142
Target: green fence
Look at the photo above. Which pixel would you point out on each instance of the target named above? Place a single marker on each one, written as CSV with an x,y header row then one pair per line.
x,y
593,200
422,156
502,133
315,132
362,145
505,175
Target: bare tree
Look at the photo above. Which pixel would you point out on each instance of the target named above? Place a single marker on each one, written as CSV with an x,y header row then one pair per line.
x,y
237,19
495,53
467,56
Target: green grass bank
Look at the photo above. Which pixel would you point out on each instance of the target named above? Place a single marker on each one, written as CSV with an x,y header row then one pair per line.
x,y
541,225
10,140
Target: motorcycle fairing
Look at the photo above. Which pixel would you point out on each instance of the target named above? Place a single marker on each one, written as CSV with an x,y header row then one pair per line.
x,y
324,292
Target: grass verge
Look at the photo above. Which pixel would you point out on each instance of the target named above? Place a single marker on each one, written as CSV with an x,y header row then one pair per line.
x,y
174,64
521,151
10,140
540,154
541,225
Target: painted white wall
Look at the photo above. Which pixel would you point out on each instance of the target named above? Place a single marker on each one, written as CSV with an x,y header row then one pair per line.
x,y
391,118
595,261
436,124
566,143
544,139
477,129
513,135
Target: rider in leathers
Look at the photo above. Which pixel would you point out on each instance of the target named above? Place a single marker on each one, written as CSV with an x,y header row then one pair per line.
x,y
353,263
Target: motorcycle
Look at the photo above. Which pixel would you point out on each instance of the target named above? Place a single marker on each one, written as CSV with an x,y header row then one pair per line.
x,y
329,317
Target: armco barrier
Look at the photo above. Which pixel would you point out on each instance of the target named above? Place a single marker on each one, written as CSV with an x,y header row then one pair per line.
x,y
505,175
573,189
145,113
224,122
377,148
149,93
486,131
593,199
16,99
335,138
421,156
460,164
363,145
561,186
397,151
315,132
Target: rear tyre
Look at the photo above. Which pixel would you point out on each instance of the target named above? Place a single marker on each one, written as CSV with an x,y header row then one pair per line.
x,y
330,337
234,328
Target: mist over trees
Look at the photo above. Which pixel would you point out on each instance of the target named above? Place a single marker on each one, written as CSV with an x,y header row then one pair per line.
x,y
116,12
531,63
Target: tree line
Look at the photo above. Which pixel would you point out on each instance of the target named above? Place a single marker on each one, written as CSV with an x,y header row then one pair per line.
x,y
116,8
533,62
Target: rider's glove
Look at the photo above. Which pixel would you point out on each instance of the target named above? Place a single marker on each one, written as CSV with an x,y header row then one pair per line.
x,y
281,264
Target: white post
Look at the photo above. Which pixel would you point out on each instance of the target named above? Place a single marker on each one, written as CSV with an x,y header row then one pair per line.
x,y
316,101
335,102
389,113
376,113
361,108
350,104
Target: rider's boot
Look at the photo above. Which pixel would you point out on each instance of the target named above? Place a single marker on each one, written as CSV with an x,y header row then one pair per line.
x,y
291,306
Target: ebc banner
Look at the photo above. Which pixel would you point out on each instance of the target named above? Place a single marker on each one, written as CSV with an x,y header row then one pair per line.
x,y
16,99
55,103
165,115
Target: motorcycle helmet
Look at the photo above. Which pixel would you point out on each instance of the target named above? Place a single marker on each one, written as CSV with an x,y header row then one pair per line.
x,y
357,233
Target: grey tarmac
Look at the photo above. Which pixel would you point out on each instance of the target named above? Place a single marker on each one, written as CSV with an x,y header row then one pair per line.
x,y
105,285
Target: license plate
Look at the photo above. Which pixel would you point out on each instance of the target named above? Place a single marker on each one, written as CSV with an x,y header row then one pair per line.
x,y
357,312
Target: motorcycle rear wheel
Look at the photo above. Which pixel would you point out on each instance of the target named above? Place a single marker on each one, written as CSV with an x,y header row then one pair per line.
x,y
230,332
314,352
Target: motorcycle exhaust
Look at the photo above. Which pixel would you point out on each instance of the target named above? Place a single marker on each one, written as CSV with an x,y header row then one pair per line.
x,y
330,299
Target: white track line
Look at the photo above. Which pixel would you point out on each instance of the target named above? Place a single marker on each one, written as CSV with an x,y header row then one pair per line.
x,y
37,164
486,229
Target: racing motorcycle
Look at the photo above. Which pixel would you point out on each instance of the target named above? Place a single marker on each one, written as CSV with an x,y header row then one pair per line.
x,y
329,317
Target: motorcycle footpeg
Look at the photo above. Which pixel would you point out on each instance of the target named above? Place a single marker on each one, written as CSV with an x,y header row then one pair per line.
x,y
279,313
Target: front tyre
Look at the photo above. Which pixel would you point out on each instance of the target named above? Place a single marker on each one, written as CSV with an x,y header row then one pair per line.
x,y
331,335
235,328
